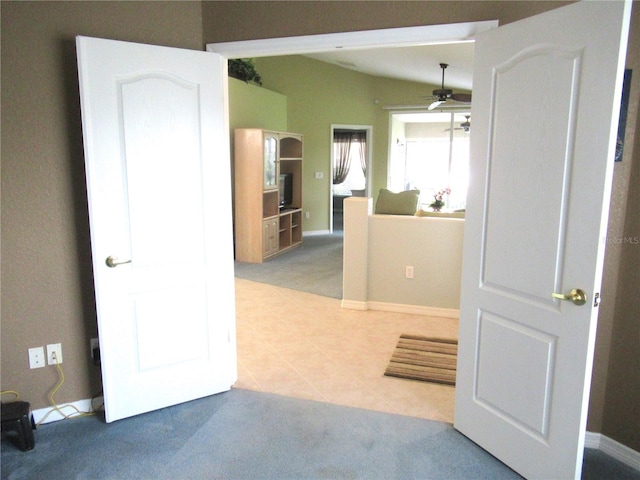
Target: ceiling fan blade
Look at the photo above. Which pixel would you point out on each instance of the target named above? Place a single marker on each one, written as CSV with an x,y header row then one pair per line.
x,y
435,104
461,97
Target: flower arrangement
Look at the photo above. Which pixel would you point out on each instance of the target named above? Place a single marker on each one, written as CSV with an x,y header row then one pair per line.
x,y
438,201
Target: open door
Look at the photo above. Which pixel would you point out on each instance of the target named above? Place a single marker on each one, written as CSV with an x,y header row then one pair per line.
x,y
546,95
159,192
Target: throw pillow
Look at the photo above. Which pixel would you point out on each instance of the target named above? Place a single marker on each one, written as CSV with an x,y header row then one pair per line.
x,y
401,203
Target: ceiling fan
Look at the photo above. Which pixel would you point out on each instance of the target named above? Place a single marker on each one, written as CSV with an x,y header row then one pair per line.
x,y
466,125
443,95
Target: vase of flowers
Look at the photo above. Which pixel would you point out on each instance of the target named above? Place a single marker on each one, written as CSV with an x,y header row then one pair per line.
x,y
438,199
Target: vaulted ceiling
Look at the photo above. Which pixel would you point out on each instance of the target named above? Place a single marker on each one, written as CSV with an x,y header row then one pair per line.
x,y
416,63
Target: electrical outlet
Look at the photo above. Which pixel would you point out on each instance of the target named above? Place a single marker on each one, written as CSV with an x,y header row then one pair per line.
x,y
94,348
54,348
307,214
408,273
93,344
36,357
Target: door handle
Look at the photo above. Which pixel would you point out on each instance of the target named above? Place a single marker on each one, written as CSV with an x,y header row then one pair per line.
x,y
113,262
577,296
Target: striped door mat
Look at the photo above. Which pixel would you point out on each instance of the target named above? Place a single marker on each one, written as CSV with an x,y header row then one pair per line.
x,y
424,358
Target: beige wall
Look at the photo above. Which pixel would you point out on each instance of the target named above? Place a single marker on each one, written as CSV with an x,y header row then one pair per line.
x,y
47,293
437,264
622,393
47,283
616,379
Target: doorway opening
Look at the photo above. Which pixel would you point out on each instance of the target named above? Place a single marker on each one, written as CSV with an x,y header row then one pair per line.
x,y
401,37
350,168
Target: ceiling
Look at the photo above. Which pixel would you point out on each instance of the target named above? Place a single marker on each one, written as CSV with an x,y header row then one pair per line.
x,y
415,63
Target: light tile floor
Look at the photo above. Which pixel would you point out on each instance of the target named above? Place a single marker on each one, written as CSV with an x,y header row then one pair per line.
x,y
303,345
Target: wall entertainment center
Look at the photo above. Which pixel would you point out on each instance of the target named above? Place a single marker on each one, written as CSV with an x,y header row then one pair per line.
x,y
268,193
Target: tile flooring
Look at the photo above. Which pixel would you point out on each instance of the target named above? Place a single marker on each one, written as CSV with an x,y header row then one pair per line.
x,y
303,345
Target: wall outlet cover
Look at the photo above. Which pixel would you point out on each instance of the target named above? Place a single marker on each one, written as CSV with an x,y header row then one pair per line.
x,y
37,358
408,271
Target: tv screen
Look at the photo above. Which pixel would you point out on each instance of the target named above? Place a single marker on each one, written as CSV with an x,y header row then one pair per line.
x,y
286,190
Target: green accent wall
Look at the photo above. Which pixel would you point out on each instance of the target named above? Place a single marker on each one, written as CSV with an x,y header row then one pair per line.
x,y
319,95
251,106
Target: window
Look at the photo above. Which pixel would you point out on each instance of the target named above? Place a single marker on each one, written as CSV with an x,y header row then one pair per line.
x,y
431,154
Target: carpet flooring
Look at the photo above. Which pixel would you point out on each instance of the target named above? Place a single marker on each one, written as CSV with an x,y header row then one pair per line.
x,y
249,435
424,358
245,435
314,267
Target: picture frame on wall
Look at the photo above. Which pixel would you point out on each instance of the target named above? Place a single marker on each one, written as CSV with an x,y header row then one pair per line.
x,y
624,106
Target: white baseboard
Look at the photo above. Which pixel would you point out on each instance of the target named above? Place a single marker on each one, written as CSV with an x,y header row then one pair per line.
x,y
354,305
614,449
43,415
401,308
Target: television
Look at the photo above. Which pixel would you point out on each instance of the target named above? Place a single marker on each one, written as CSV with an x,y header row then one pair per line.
x,y
286,190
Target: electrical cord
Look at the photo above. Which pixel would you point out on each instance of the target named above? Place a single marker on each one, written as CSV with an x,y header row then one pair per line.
x,y
58,408
54,405
12,392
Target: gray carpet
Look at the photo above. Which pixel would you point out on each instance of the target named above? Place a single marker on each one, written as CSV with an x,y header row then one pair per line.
x,y
244,434
314,267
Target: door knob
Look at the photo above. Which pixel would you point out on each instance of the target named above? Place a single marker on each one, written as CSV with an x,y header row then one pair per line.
x,y
577,296
113,262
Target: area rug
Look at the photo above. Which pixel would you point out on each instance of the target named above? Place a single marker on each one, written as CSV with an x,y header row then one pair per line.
x,y
427,359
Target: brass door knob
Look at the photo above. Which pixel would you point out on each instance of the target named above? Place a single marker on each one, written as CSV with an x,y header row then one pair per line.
x,y
577,296
113,262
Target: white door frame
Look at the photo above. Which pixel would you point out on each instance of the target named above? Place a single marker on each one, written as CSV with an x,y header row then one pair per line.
x,y
388,37
369,162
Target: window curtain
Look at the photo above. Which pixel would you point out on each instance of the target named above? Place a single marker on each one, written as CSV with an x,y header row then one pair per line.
x,y
361,137
342,145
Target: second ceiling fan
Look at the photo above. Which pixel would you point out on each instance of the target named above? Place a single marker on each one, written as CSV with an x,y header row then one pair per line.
x,y
443,95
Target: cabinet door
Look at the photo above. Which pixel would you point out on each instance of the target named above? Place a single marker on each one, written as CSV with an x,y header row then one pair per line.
x,y
270,242
270,162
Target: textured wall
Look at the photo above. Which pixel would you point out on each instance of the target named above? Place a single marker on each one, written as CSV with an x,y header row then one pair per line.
x,y
47,282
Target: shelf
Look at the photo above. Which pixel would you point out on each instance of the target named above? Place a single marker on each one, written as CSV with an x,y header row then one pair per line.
x,y
296,227
257,193
270,200
291,147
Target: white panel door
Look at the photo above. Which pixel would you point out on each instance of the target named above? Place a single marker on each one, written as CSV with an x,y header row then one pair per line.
x,y
159,192
546,102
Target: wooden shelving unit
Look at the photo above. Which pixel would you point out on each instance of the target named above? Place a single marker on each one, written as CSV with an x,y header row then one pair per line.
x,y
264,228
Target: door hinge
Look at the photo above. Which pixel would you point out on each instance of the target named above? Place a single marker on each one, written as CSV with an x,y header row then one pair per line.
x,y
596,299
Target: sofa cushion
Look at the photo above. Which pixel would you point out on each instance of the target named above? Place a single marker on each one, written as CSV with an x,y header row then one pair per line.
x,y
401,203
